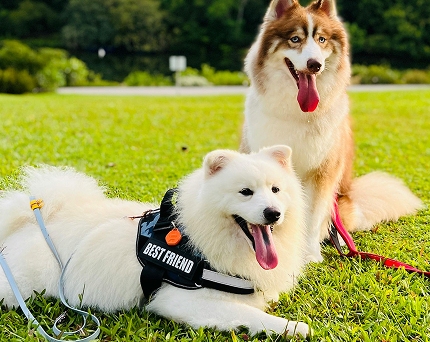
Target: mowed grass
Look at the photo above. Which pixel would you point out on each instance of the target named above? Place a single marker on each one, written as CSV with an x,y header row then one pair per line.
x,y
140,146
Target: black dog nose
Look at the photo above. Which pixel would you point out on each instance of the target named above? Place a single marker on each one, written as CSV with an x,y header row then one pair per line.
x,y
271,215
314,66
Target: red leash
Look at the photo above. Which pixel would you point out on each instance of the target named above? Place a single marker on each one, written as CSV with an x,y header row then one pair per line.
x,y
337,227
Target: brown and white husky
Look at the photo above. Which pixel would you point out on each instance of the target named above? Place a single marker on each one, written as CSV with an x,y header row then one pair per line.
x,y
299,69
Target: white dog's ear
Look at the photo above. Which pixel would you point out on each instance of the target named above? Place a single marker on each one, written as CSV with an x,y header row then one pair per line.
x,y
281,153
216,160
327,6
278,7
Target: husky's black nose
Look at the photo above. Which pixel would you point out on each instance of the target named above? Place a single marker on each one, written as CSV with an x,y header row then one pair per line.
x,y
314,66
271,214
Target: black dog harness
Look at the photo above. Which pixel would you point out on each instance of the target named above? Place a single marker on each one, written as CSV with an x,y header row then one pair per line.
x,y
180,265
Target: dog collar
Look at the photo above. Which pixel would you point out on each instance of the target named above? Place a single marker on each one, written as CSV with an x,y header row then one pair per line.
x,y
181,265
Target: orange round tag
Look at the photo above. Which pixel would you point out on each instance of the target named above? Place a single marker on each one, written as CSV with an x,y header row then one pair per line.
x,y
173,237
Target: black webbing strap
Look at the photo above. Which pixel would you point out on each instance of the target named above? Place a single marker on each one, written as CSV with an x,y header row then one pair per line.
x,y
151,278
152,275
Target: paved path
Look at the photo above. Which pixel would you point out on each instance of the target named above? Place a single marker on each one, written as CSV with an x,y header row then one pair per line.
x,y
218,90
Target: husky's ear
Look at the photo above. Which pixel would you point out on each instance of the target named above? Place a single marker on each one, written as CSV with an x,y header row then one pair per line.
x,y
216,160
278,7
281,153
327,6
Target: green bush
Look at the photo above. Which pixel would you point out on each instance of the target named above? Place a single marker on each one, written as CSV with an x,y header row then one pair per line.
x,y
194,81
48,68
190,72
375,74
217,77
382,74
95,80
223,77
16,82
62,72
413,76
143,78
16,55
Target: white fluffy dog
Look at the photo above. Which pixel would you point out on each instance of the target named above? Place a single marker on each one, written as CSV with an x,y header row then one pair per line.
x,y
260,188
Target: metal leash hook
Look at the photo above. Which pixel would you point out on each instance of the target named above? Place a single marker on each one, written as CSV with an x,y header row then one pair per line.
x,y
35,206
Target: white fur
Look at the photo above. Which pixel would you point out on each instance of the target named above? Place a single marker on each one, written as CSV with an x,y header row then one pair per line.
x,y
311,50
82,221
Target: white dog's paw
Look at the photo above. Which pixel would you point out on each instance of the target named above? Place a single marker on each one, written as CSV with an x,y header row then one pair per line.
x,y
341,240
314,257
282,326
298,329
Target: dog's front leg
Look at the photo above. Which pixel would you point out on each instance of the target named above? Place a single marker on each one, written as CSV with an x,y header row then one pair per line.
x,y
218,310
319,204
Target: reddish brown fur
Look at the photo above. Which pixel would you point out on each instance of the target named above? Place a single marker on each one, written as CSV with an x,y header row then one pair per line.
x,y
336,173
294,22
332,29
284,28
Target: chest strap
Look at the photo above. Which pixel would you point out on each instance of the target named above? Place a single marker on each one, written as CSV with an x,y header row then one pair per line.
x,y
180,265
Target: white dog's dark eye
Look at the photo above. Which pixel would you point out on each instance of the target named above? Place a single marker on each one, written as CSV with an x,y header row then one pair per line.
x,y
246,192
295,39
275,189
322,39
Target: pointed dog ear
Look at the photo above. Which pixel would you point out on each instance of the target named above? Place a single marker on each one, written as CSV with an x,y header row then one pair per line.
x,y
281,153
278,7
327,6
216,160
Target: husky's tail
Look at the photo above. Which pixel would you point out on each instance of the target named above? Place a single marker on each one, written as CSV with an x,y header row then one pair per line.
x,y
55,186
374,198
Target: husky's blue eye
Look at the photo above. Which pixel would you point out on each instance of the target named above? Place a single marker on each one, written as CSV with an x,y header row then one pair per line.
x,y
295,39
246,192
275,189
322,39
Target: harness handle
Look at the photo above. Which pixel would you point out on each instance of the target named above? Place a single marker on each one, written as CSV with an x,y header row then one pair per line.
x,y
337,229
166,206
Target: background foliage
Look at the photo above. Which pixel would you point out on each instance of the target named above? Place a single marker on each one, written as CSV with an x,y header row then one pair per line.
x,y
217,32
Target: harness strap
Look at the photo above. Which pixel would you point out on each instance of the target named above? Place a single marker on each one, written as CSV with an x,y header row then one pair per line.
x,y
151,278
179,265
35,206
337,229
226,283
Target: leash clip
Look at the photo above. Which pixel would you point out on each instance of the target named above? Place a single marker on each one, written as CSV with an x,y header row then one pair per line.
x,y
36,204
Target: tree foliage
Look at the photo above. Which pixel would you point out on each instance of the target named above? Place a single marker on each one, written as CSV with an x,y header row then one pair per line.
x,y
89,24
390,29
135,25
394,31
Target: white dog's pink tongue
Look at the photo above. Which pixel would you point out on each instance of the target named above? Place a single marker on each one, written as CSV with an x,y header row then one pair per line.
x,y
308,97
265,251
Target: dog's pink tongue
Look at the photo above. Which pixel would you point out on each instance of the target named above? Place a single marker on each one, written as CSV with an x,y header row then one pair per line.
x,y
308,94
265,251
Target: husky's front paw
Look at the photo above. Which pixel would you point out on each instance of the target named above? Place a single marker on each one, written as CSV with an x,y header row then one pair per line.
x,y
315,257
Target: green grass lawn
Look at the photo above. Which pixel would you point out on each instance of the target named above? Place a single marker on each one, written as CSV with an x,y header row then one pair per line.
x,y
141,146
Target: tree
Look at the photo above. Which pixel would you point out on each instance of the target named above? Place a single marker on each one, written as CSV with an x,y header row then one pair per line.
x,y
138,25
32,18
395,30
89,24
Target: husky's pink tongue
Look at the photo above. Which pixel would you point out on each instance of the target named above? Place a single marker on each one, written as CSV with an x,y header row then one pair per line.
x,y
308,97
265,251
